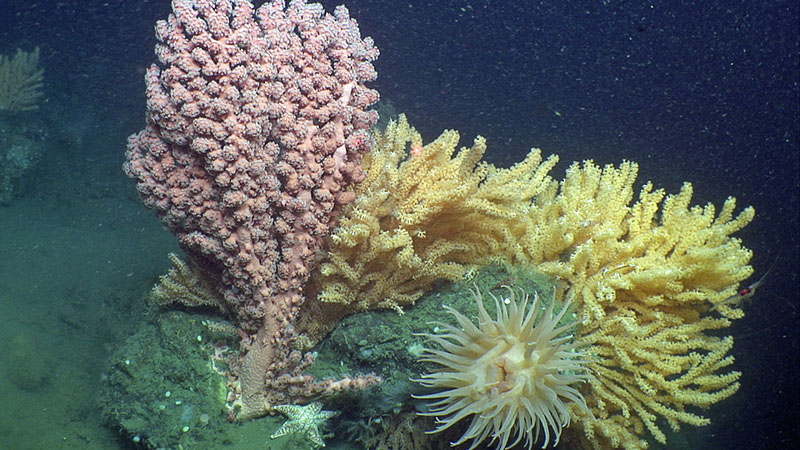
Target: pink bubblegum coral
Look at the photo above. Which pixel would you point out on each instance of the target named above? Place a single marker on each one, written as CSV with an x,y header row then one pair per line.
x,y
255,124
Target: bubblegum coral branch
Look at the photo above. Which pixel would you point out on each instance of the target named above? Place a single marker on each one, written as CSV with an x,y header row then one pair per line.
x,y
256,120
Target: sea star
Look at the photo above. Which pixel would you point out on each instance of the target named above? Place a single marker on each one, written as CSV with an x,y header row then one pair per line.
x,y
304,420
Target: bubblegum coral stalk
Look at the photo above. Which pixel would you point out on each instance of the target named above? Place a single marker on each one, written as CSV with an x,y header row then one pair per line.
x,y
256,120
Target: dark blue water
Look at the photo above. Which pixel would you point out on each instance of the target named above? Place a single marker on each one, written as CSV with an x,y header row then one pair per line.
x,y
705,92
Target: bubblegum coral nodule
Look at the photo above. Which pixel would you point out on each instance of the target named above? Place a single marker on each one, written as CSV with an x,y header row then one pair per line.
x,y
256,121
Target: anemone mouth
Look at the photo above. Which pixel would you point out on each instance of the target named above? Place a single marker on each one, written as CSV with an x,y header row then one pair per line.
x,y
513,374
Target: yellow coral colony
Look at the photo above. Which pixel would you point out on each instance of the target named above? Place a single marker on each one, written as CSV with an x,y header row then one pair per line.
x,y
20,81
643,276
186,285
418,219
644,286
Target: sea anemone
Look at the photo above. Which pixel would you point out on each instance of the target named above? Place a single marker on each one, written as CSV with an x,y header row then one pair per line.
x,y
514,374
